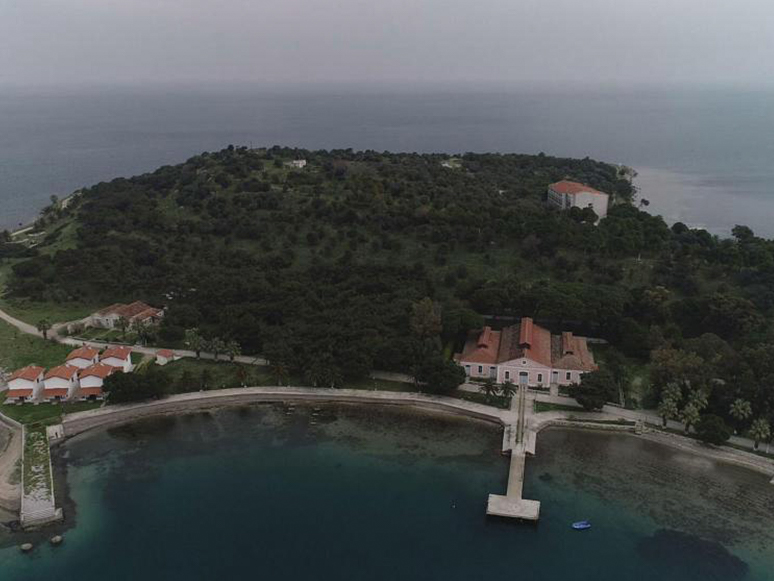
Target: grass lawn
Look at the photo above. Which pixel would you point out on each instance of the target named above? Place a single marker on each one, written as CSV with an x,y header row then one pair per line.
x,y
44,414
18,349
542,406
497,401
222,374
37,467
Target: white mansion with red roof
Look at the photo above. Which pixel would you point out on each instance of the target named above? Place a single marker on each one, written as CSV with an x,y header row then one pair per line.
x,y
566,194
526,354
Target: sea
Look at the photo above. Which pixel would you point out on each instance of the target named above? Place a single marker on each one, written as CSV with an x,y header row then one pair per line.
x,y
703,153
339,492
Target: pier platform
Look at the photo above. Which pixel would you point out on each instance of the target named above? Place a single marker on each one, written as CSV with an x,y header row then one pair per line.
x,y
513,507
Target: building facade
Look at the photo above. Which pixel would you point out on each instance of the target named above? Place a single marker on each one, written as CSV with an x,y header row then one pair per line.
x,y
25,384
567,194
526,354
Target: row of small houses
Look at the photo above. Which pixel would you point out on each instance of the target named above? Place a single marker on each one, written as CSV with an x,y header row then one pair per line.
x,y
80,378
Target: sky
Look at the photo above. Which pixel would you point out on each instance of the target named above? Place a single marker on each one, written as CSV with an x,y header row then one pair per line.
x,y
51,42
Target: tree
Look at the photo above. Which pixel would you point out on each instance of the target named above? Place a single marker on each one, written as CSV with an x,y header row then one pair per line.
x,y
489,389
508,389
668,407
194,341
426,321
128,387
242,375
44,326
123,324
205,380
690,415
760,430
279,372
711,429
233,349
595,389
439,375
740,410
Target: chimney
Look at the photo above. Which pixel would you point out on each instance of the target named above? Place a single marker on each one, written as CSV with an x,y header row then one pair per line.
x,y
568,343
525,333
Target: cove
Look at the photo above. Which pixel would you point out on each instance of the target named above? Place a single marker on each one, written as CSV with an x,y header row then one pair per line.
x,y
356,492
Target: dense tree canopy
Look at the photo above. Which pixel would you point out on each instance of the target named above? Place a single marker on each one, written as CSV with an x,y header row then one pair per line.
x,y
366,260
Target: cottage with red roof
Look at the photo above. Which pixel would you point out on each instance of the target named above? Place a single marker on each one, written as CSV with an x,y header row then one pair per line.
x,y
60,383
164,356
25,384
83,357
91,380
526,354
118,357
566,194
137,311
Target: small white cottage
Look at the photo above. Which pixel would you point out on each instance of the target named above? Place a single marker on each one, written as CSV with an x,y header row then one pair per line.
x,y
25,384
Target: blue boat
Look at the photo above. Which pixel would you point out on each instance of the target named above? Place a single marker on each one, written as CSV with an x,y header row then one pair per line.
x,y
581,525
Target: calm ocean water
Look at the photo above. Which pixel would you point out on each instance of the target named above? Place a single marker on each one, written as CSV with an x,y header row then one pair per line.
x,y
704,155
383,494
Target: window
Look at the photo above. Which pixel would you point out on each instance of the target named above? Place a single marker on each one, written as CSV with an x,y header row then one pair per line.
x,y
569,376
507,375
540,378
481,370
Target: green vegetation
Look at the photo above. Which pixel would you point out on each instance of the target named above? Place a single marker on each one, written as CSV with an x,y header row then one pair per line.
x,y
37,466
368,260
45,414
543,406
497,401
19,349
711,429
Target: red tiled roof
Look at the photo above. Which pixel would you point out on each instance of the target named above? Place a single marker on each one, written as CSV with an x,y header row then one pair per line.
x,y
568,187
55,391
167,353
97,370
90,391
62,371
136,310
117,352
527,340
84,352
481,348
19,393
30,373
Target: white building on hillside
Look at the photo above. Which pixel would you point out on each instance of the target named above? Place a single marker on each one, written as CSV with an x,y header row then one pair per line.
x,y
83,357
566,194
25,384
60,383
91,379
164,356
118,357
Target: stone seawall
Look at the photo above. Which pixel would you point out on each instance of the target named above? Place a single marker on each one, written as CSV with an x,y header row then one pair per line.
x,y
77,423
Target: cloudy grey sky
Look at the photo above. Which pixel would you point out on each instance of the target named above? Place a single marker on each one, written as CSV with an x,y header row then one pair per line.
x,y
619,41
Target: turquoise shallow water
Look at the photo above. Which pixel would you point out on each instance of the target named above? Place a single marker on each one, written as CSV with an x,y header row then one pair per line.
x,y
347,493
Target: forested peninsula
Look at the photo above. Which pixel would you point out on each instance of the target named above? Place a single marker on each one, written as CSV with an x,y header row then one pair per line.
x,y
357,261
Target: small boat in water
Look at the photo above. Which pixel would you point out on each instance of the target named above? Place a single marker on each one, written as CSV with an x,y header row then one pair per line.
x,y
581,525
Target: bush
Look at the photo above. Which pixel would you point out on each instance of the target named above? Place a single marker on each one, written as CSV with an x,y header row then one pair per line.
x,y
711,429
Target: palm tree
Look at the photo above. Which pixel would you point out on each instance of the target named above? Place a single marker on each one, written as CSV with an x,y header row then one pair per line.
x,y
44,326
670,400
691,414
194,341
760,430
123,324
508,389
740,410
280,372
489,389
